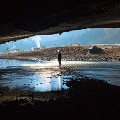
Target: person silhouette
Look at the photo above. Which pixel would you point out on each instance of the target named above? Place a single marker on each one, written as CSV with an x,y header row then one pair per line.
x,y
59,57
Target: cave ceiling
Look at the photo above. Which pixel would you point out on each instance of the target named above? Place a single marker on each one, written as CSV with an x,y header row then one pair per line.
x,y
25,18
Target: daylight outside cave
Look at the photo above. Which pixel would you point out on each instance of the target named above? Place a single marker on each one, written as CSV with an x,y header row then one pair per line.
x,y
92,52
31,66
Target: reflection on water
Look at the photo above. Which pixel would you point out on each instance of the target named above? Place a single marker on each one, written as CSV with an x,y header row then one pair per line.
x,y
47,76
35,80
8,63
108,71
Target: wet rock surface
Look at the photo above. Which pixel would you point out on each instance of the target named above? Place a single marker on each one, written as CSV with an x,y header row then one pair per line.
x,y
87,98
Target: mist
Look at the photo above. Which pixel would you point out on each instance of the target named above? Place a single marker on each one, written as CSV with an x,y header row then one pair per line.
x,y
37,40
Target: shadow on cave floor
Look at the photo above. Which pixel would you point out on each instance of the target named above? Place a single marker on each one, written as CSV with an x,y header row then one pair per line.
x,y
87,98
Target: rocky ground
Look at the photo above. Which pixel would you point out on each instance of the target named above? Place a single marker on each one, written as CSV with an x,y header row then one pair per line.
x,y
87,99
109,53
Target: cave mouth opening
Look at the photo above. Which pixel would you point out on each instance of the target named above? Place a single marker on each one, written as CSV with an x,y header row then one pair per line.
x,y
83,44
89,36
31,63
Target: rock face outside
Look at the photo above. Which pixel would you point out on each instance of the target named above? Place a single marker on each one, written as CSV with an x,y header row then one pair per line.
x,y
95,50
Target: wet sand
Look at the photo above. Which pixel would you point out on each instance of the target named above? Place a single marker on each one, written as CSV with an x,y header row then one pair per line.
x,y
86,98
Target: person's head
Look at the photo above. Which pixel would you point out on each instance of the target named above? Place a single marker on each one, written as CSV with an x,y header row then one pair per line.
x,y
58,51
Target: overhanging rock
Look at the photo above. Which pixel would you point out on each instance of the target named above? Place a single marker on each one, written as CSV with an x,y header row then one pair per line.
x,y
25,18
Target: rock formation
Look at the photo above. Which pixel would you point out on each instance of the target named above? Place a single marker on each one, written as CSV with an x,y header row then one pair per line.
x,y
95,50
20,19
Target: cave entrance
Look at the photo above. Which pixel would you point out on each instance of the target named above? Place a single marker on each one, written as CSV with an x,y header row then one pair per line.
x,y
31,63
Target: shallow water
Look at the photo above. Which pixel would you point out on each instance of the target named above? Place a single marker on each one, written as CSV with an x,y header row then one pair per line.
x,y
47,76
108,71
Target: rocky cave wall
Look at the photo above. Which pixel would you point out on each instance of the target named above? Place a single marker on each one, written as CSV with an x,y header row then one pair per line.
x,y
25,18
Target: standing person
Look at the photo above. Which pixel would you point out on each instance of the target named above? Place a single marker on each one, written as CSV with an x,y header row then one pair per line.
x,y
59,57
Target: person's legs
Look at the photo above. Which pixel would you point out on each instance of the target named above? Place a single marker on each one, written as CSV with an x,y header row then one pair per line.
x,y
59,62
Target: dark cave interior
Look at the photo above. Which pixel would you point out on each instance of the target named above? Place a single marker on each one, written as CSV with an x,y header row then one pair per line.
x,y
20,19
